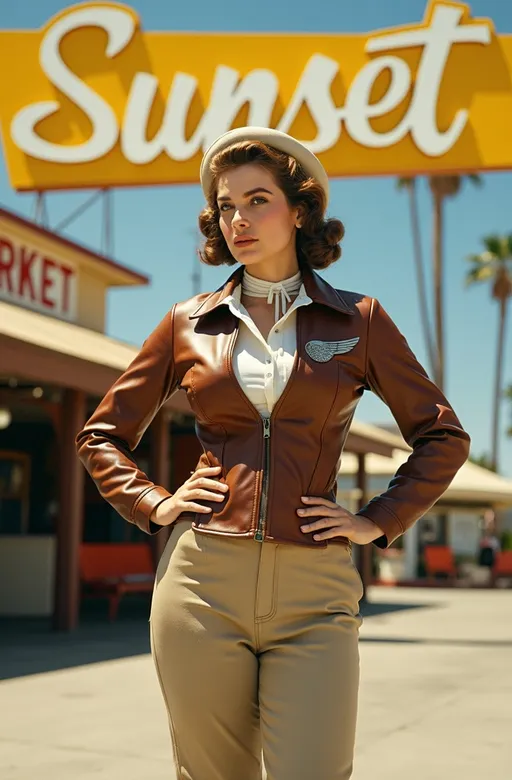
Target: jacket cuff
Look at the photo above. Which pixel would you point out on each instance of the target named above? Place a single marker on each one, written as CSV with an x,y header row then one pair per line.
x,y
386,521
144,506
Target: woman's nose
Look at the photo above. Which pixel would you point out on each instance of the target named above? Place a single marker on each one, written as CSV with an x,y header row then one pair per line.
x,y
240,220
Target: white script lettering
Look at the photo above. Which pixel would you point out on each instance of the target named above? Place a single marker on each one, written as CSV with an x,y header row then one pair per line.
x,y
437,41
259,89
120,28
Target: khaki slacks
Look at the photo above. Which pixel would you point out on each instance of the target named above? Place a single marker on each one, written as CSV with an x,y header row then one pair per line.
x,y
256,649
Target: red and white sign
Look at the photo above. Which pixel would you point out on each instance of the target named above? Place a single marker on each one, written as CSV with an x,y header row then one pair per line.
x,y
35,280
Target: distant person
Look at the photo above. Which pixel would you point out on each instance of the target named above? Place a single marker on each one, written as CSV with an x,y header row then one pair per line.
x,y
488,547
255,614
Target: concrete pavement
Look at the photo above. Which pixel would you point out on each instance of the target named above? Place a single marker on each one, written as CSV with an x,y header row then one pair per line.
x,y
436,695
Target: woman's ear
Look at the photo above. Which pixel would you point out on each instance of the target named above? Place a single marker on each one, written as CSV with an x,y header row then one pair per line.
x,y
299,217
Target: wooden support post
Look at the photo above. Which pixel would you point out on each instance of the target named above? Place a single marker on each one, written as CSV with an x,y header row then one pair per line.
x,y
364,552
70,515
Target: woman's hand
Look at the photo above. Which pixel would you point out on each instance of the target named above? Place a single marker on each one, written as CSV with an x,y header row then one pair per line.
x,y
200,484
336,521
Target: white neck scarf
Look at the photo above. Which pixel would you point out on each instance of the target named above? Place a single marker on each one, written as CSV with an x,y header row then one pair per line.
x,y
279,292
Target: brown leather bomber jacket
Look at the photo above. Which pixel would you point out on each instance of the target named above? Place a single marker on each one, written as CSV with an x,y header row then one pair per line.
x,y
268,467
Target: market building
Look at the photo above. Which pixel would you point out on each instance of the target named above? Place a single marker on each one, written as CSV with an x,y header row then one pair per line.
x,y
55,362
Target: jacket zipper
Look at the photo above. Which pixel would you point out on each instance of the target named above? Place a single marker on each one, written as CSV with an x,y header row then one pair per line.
x,y
262,518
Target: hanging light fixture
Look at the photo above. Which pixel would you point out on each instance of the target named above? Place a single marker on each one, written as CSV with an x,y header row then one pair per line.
x,y
5,418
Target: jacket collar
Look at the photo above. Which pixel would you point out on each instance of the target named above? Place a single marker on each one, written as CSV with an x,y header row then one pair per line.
x,y
317,288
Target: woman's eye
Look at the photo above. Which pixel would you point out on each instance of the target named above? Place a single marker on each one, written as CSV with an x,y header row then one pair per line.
x,y
257,200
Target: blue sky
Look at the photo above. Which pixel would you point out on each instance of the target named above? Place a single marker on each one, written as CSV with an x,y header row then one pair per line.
x,y
154,229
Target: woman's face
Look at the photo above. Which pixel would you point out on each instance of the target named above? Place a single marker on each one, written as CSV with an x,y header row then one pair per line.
x,y
255,218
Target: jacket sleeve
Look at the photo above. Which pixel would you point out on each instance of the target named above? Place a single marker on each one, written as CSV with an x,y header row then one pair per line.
x,y
440,446
115,429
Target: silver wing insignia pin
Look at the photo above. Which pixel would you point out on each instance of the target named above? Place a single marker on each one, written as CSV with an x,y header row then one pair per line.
x,y
322,351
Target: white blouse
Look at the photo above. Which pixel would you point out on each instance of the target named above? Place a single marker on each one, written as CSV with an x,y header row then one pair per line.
x,y
264,367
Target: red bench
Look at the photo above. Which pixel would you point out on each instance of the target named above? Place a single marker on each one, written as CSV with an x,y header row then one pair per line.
x,y
111,570
439,560
502,566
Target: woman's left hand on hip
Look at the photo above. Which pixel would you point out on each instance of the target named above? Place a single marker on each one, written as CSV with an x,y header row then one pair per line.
x,y
335,521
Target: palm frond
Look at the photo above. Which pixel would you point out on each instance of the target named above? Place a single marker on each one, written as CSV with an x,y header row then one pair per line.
x,y
406,182
475,179
480,273
484,258
493,244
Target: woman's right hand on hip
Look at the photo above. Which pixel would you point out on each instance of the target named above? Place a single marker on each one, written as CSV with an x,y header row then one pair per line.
x,y
200,485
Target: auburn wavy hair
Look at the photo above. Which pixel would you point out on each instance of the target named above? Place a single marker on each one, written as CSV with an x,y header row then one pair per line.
x,y
317,241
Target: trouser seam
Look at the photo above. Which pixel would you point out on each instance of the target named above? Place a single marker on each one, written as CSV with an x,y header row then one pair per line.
x,y
273,607
256,593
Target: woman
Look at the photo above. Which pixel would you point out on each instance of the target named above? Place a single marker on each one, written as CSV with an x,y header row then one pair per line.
x,y
255,618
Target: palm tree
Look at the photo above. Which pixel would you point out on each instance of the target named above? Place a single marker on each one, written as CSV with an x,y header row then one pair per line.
x,y
508,395
441,187
409,185
494,264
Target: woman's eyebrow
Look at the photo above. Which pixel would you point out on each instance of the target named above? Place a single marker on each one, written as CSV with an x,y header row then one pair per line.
x,y
246,194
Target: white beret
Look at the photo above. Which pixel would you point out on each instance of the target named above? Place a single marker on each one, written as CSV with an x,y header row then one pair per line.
x,y
275,138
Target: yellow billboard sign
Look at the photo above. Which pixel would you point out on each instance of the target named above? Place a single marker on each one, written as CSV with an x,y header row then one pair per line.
x,y
97,102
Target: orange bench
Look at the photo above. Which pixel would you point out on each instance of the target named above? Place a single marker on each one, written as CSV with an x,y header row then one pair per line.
x,y
112,570
502,566
439,560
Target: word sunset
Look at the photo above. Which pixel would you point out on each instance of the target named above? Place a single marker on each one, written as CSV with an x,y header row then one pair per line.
x,y
117,106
